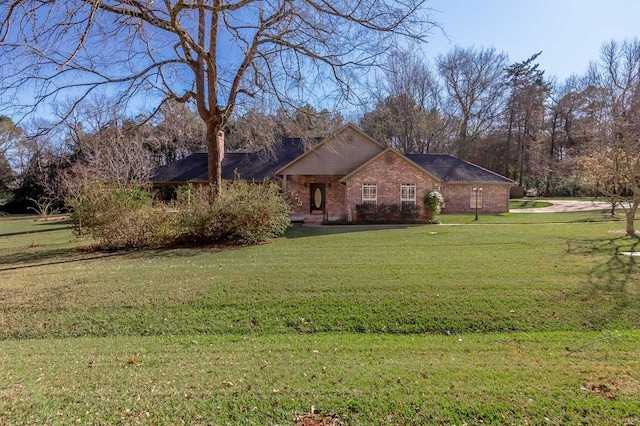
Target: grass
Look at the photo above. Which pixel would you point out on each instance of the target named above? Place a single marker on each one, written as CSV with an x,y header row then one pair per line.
x,y
363,379
510,319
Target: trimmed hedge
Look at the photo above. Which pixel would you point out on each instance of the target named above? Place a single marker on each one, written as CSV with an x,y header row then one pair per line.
x,y
387,213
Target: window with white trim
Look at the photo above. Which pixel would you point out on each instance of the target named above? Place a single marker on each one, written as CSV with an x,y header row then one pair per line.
x,y
408,194
369,193
475,200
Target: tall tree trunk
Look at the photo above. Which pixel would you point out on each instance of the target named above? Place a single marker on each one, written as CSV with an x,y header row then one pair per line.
x,y
631,216
520,156
509,142
215,153
552,151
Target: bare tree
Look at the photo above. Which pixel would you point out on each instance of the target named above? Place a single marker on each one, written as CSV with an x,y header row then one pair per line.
x,y
177,132
117,154
258,130
616,135
214,52
566,124
253,130
408,115
401,123
37,160
473,79
308,124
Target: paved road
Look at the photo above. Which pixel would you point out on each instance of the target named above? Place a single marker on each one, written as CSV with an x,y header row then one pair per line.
x,y
566,206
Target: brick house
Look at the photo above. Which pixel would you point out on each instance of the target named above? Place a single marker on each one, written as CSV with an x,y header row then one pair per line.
x,y
349,169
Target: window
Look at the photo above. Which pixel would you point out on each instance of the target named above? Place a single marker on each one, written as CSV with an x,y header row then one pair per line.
x,y
475,202
369,193
408,194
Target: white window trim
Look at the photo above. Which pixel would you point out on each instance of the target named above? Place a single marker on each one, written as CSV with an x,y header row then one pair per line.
x,y
412,198
369,199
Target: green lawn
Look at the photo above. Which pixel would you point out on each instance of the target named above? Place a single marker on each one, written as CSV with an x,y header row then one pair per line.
x,y
508,320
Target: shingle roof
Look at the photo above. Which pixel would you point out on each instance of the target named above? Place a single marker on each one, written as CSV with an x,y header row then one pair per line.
x,y
190,169
250,166
257,166
450,169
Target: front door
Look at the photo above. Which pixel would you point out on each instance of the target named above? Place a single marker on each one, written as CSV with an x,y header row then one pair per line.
x,y
317,196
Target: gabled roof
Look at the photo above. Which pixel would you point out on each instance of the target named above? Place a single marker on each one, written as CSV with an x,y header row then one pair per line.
x,y
400,156
450,169
250,166
289,156
346,149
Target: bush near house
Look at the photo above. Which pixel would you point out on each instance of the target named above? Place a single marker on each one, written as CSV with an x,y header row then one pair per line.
x,y
432,203
244,213
129,218
387,213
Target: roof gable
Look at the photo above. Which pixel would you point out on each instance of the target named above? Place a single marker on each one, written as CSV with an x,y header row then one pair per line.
x,y
397,155
339,154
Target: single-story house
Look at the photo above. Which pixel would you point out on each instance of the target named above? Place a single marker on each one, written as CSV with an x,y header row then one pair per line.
x,y
349,169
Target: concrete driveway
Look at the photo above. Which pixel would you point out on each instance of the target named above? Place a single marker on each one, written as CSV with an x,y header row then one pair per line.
x,y
566,206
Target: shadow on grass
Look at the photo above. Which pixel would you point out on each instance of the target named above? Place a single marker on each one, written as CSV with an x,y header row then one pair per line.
x,y
37,258
301,231
612,280
36,231
25,260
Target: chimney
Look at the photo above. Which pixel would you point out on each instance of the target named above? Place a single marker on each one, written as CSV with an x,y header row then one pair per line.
x,y
220,140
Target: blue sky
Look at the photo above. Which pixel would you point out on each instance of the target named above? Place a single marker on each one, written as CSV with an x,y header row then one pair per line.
x,y
568,32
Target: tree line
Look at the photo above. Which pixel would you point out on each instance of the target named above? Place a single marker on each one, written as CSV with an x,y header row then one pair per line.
x,y
471,102
506,116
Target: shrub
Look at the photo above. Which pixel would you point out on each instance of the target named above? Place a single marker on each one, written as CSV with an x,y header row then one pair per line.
x,y
244,213
129,218
121,217
386,213
432,202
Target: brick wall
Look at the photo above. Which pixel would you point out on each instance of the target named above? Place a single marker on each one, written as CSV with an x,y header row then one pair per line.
x,y
301,194
388,177
495,198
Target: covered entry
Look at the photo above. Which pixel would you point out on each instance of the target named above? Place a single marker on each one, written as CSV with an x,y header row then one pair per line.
x,y
317,198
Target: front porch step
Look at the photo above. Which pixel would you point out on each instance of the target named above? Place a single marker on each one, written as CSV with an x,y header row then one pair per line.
x,y
313,220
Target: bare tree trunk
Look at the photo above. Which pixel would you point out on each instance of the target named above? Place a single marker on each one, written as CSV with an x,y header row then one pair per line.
x,y
614,203
631,230
509,148
215,149
552,151
631,217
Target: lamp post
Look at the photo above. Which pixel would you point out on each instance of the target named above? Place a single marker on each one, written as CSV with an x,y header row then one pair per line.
x,y
477,191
